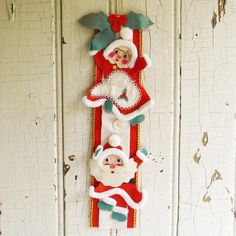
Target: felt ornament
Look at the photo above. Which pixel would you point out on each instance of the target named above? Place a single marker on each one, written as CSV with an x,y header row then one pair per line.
x,y
120,91
114,170
109,26
119,101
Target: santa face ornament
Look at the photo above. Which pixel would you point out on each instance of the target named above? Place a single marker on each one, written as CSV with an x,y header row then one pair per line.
x,y
113,174
115,170
120,91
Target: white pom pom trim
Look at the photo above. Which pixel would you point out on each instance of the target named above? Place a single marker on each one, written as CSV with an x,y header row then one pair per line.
x,y
92,53
114,140
126,33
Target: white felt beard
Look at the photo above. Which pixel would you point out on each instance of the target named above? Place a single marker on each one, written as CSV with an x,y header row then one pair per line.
x,y
122,174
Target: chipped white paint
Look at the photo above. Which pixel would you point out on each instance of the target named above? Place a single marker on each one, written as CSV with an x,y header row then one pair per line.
x,y
208,105
33,144
27,170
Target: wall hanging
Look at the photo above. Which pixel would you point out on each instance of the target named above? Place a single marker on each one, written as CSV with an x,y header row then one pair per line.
x,y
119,103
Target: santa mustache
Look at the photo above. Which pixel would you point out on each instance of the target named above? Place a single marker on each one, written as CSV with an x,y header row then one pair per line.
x,y
113,177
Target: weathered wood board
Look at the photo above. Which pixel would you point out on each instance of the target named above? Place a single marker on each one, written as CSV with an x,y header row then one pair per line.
x,y
208,91
27,119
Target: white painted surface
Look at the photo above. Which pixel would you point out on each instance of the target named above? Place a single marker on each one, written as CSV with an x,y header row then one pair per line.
x,y
30,137
27,151
208,105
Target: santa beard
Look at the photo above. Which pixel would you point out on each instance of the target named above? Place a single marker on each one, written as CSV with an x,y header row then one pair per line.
x,y
122,174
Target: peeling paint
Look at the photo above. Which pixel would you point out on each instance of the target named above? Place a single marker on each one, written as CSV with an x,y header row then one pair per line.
x,y
197,156
206,198
205,139
71,157
214,20
216,176
63,40
221,8
66,168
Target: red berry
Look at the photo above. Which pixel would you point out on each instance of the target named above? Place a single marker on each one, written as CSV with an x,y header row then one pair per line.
x,y
115,27
112,18
122,20
124,95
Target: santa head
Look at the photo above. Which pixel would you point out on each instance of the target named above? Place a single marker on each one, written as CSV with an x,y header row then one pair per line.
x,y
110,165
122,52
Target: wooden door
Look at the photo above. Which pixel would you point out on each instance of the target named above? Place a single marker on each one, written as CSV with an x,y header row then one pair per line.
x,y
45,140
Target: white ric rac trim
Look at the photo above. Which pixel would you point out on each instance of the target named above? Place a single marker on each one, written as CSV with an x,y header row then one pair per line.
x,y
120,192
123,42
121,210
109,200
116,111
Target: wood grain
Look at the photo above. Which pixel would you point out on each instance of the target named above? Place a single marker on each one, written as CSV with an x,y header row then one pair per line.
x,y
27,108
190,132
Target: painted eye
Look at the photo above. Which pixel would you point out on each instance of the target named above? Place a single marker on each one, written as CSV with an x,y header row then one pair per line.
x,y
125,56
106,159
116,51
118,160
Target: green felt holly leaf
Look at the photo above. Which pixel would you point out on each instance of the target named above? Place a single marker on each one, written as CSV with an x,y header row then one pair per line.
x,y
138,21
102,39
97,21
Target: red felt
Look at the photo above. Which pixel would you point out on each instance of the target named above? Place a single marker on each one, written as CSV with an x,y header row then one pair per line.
x,y
107,68
115,27
134,138
129,188
112,18
122,19
133,135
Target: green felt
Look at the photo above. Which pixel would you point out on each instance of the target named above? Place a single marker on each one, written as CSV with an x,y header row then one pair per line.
x,y
97,21
137,21
137,120
102,39
104,206
97,151
105,35
108,106
144,151
119,217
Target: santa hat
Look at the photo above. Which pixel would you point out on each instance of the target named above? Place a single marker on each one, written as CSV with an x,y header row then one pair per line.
x,y
112,147
126,40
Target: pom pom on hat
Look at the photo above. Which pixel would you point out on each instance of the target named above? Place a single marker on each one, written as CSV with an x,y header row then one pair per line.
x,y
126,33
112,147
114,140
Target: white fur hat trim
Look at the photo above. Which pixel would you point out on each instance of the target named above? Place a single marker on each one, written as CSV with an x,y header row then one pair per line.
x,y
113,151
125,43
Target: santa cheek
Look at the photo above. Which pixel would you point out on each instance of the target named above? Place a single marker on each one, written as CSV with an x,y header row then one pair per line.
x,y
111,54
124,62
